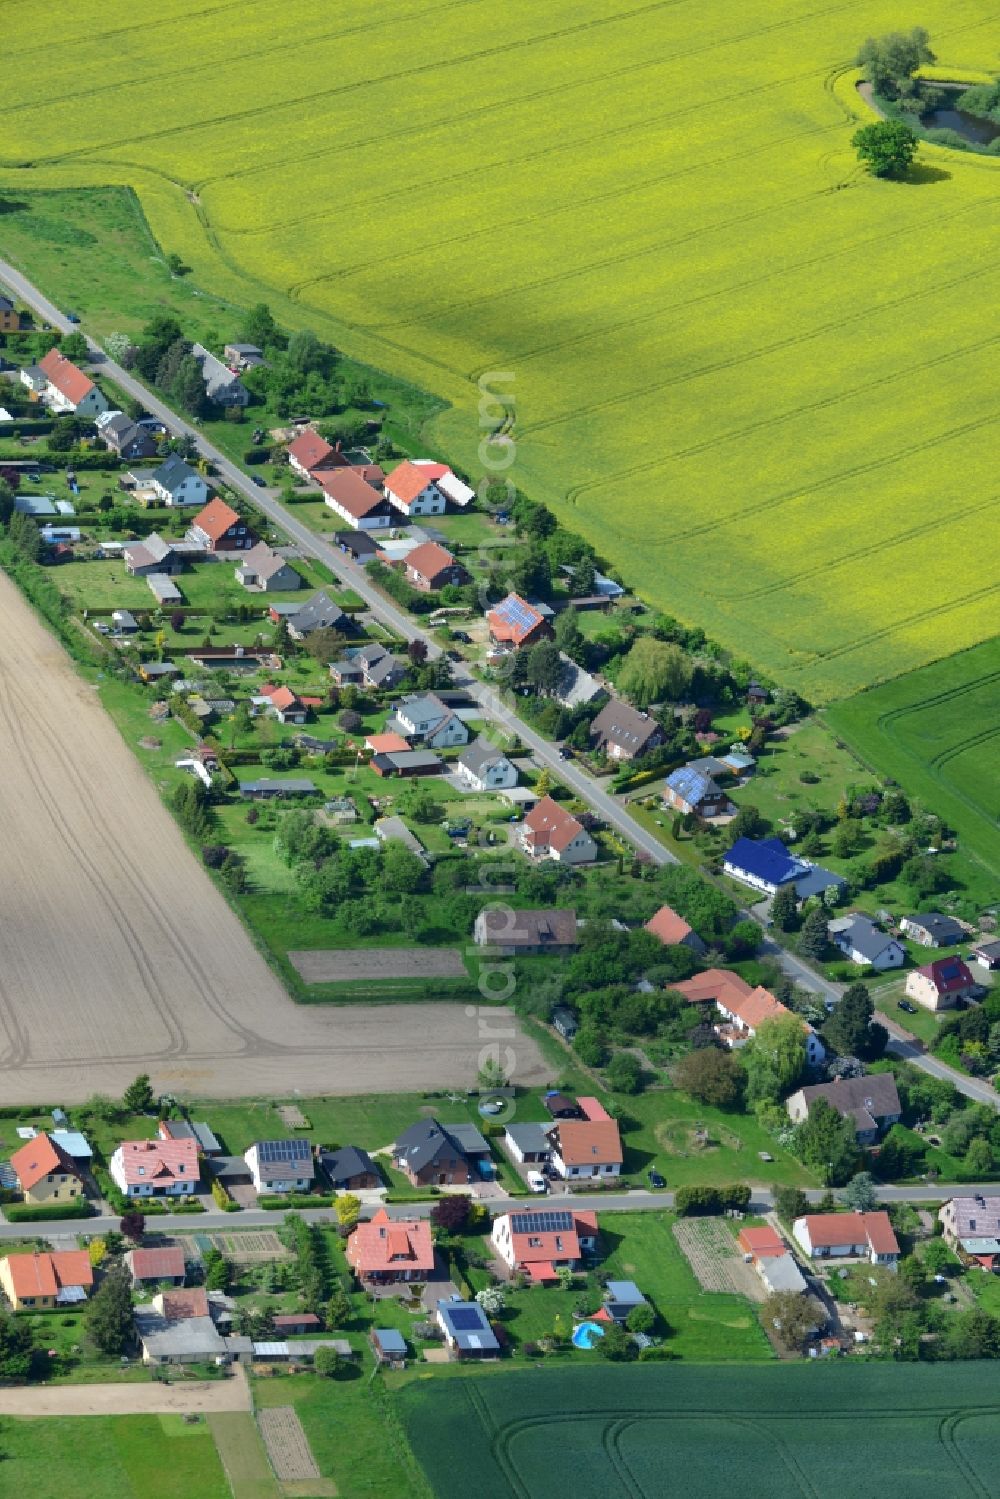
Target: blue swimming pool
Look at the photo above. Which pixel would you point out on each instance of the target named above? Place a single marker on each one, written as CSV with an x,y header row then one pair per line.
x,y
586,1334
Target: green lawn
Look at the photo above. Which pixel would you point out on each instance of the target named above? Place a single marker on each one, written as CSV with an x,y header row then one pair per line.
x,y
244,1456
776,788
114,1457
663,1137
211,586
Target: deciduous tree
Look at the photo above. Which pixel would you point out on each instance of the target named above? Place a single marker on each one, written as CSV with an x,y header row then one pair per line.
x,y
887,147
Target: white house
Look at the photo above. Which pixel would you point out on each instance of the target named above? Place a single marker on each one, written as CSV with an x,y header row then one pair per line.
x,y
222,385
156,1168
425,717
281,1165
743,1014
413,487
66,387
590,1147
848,1236
860,940
176,483
550,832
486,768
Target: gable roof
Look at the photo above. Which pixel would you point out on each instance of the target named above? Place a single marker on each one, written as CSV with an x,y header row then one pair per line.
x,y
764,1241
157,1264
311,450
318,613
864,936
426,1140
351,492
409,479
429,560
582,1142
277,1160
468,1326
216,375
387,1244
37,1159
944,929
693,785
173,472
349,1161
875,1094
262,561
766,858
714,984
756,1007
541,1235
543,928
387,744
514,619
160,1161
216,519
551,825
948,975
178,1305
64,375
827,1230
42,1274
619,723
668,926
480,754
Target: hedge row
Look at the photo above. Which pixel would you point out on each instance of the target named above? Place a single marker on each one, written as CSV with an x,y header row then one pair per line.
x,y
692,1201
30,1212
272,1202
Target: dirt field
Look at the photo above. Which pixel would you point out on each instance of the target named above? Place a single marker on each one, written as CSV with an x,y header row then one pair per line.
x,y
155,1398
711,1251
287,1445
351,964
118,955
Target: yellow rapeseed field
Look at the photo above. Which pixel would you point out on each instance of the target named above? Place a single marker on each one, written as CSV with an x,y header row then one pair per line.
x,y
763,384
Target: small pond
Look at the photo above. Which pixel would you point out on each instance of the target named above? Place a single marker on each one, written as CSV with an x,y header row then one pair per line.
x,y
970,127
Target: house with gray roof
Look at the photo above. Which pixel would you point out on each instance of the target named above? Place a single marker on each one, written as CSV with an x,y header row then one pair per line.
x,y
121,435
349,1169
369,666
539,931
575,686
154,555
871,1103
177,484
467,1330
222,386
425,718
859,939
933,930
434,1154
262,571
691,792
485,767
394,830
318,613
621,1297
527,1143
623,732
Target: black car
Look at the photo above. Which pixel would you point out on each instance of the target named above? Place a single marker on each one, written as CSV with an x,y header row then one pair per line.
x,y
256,479
462,636
656,1180
904,1004
454,655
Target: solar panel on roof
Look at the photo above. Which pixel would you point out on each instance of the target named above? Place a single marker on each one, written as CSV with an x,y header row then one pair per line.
x,y
284,1150
546,1223
465,1318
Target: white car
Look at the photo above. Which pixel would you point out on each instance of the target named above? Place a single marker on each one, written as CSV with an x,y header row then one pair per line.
x,y
537,1182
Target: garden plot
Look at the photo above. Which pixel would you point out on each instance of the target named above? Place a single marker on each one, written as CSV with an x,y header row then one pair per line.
x,y
372,963
251,1248
711,1251
289,1450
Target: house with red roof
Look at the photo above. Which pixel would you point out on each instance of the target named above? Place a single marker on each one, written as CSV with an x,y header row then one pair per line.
x,y
673,930
584,1148
360,504
431,566
764,1242
550,832
156,1168
537,1243
514,623
45,1172
386,1250
939,985
46,1280
868,1236
413,489
67,388
311,455
157,1266
283,703
220,528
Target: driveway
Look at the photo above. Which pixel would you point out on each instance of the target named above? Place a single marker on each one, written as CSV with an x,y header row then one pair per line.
x,y
155,1398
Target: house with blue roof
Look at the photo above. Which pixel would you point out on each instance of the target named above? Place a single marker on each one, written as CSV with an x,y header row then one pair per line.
x,y
467,1329
691,791
765,864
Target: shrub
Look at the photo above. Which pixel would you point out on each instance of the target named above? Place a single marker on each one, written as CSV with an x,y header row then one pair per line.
x,y
692,1201
30,1212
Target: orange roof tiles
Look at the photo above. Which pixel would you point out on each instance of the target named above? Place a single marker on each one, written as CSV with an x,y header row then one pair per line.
x,y
38,1159
179,1305
586,1142
514,620
756,1007
387,1245
827,1230
350,492
668,926
216,519
593,1110
429,560
387,744
45,1274
310,450
550,826
158,1264
64,375
155,1160
762,1243
713,984
408,480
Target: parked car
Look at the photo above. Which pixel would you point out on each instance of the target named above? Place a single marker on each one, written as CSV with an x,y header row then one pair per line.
x,y
537,1182
462,636
656,1180
454,655
565,753
256,479
904,1004
71,317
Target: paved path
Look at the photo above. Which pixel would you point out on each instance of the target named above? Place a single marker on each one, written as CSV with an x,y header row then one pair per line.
x,y
154,1399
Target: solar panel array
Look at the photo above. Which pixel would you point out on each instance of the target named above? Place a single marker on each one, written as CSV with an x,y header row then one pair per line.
x,y
517,613
545,1223
283,1150
465,1318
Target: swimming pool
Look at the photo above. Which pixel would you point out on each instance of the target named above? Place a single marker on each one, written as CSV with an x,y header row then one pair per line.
x,y
586,1334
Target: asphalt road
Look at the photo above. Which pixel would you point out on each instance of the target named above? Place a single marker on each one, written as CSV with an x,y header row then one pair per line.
x,y
354,577
636,1201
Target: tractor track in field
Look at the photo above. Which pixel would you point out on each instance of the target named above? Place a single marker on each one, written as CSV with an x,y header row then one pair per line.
x,y
860,641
